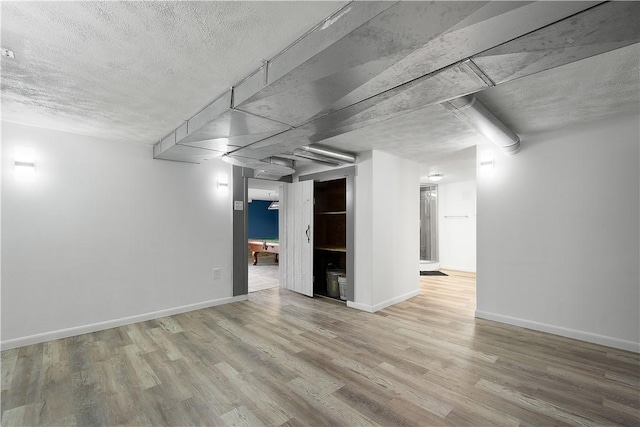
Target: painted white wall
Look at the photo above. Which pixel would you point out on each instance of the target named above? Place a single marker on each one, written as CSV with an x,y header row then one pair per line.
x,y
457,226
558,234
363,227
106,235
387,230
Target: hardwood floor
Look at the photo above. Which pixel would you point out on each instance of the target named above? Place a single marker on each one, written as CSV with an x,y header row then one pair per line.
x,y
284,359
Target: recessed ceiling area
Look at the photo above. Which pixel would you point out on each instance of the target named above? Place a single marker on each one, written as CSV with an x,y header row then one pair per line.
x,y
139,72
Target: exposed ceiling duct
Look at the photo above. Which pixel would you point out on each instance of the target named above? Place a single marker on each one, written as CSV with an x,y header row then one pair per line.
x,y
470,110
330,153
275,167
315,158
324,155
373,61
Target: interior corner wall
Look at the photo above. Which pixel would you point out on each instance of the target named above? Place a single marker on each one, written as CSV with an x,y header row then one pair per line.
x,y
106,236
363,224
558,233
387,230
457,226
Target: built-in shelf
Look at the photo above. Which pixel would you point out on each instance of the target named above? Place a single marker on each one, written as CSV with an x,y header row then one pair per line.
x,y
331,248
330,231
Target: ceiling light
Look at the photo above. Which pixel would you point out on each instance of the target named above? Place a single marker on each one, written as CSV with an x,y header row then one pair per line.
x,y
435,177
274,206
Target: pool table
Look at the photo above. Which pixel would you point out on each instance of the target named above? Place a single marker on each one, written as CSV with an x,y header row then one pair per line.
x,y
263,245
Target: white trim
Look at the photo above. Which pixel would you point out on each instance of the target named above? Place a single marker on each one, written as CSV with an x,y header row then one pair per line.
x,y
565,332
396,300
94,327
384,304
358,306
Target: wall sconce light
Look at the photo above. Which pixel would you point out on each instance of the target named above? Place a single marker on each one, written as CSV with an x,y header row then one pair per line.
x,y
24,164
223,183
486,164
435,177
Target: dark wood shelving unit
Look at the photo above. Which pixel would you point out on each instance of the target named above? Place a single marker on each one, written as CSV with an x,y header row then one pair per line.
x,y
330,230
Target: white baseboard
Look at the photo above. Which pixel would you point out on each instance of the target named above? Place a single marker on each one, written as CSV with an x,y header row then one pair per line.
x,y
94,327
358,306
565,332
384,304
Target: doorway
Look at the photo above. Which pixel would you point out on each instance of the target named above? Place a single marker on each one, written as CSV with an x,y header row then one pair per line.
x,y
428,227
263,261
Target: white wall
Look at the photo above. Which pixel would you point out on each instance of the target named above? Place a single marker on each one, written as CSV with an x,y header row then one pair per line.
x,y
363,235
457,226
558,234
106,235
387,240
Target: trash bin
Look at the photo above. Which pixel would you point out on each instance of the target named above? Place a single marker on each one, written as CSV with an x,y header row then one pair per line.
x,y
342,284
333,287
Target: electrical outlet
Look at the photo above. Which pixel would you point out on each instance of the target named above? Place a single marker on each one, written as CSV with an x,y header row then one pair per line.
x,y
217,273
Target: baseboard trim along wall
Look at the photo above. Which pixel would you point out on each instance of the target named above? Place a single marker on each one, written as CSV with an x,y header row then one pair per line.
x,y
358,306
564,332
94,327
384,304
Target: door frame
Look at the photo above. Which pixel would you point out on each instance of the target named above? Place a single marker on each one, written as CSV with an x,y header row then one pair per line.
x,y
240,185
240,219
349,173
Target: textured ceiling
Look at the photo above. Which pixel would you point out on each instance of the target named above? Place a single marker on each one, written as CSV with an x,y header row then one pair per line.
x,y
591,89
134,71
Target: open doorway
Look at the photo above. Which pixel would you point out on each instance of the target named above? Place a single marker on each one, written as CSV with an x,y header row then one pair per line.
x,y
429,260
263,234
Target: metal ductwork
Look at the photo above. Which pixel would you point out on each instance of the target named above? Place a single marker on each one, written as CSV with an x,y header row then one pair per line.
x,y
315,158
470,110
324,155
373,61
335,155
274,167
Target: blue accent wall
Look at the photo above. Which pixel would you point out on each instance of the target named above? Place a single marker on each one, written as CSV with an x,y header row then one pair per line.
x,y
263,223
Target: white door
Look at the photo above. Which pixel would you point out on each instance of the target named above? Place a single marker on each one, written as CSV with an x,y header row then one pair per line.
x,y
296,237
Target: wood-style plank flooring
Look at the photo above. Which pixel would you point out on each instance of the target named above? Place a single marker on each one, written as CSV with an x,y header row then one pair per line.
x,y
285,359
264,275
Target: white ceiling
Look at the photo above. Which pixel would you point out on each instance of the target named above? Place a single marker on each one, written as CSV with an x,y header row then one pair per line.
x,y
260,189
134,71
582,91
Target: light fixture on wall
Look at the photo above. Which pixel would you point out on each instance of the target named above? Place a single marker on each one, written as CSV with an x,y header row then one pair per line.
x,y
486,164
435,177
223,183
25,164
